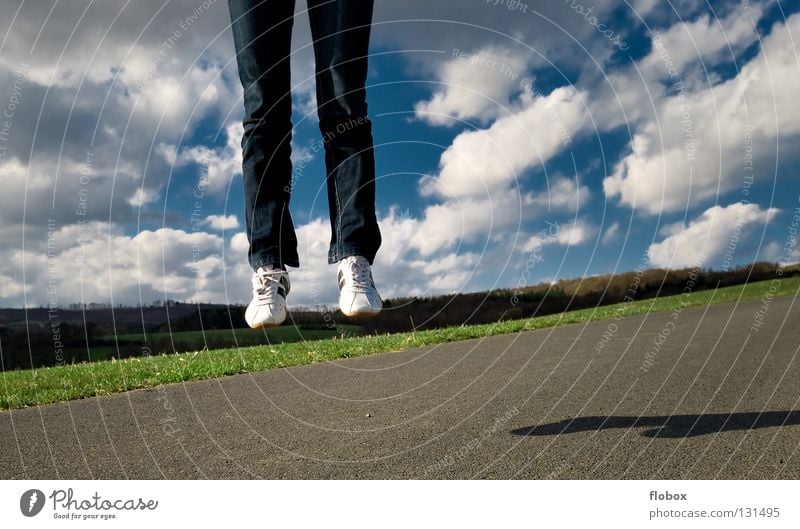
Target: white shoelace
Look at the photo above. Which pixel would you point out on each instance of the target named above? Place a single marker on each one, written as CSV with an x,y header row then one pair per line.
x,y
266,283
360,274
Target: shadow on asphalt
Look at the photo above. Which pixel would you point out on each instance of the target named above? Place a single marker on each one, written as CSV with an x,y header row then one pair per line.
x,y
669,426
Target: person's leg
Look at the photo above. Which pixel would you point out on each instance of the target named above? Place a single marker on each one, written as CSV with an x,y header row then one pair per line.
x,y
262,31
341,31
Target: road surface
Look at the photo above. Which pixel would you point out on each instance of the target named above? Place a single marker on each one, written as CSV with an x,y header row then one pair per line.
x,y
700,393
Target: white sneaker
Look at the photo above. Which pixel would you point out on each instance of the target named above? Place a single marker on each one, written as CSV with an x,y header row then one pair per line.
x,y
357,293
268,306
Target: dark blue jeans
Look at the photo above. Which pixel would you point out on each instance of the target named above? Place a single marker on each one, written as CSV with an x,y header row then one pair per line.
x,y
340,29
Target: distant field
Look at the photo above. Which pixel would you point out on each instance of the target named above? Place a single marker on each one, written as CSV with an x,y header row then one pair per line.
x,y
53,384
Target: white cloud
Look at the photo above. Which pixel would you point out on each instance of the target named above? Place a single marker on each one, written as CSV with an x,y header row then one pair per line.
x,y
109,86
222,222
459,221
478,182
66,53
779,252
199,266
314,283
480,161
644,7
611,233
695,149
95,262
709,236
707,39
475,86
177,101
575,233
561,194
671,229
550,32
69,192
143,196
218,165
454,222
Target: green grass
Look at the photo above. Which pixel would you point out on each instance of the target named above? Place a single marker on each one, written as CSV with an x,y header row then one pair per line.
x,y
19,389
198,339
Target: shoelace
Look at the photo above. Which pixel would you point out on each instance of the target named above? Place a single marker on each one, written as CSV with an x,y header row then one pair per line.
x,y
266,283
360,274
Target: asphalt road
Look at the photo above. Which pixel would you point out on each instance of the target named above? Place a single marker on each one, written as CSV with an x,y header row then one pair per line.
x,y
694,394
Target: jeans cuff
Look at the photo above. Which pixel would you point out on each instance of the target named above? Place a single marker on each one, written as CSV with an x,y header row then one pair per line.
x,y
337,254
268,260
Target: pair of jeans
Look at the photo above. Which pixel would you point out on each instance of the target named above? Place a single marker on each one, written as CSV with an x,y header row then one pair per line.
x,y
340,29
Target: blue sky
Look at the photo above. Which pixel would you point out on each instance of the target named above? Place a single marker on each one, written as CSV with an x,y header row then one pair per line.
x,y
514,143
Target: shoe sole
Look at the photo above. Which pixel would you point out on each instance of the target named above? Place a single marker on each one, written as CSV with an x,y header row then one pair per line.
x,y
266,325
361,314
269,325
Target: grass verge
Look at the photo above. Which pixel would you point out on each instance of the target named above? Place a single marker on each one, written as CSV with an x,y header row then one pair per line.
x,y
19,389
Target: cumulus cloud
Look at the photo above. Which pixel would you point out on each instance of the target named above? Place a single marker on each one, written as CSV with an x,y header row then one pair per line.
x,y
572,233
708,237
478,86
143,196
218,165
103,84
611,233
550,33
695,147
99,262
479,161
314,283
222,222
781,252
455,222
130,101
482,176
700,42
